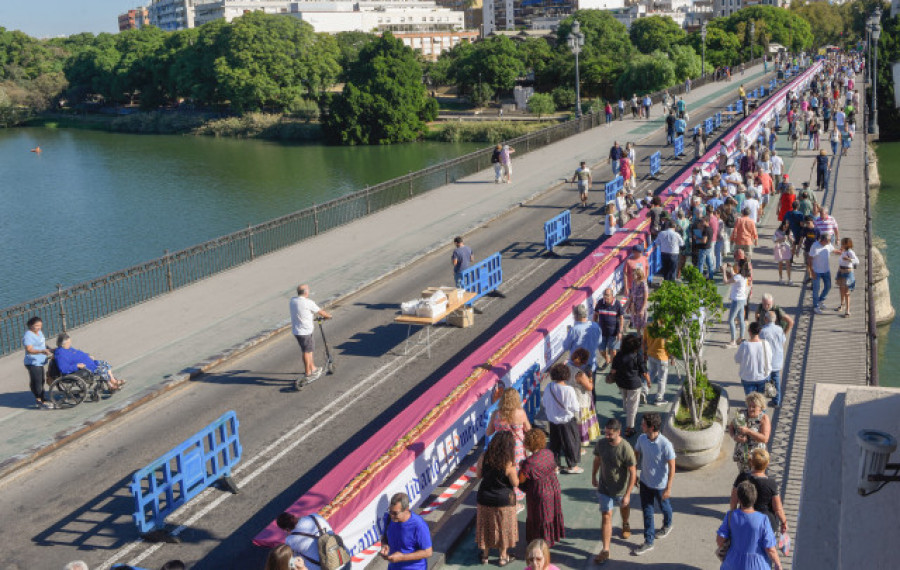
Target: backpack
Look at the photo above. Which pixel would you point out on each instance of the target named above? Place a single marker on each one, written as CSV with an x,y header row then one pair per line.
x,y
495,157
332,552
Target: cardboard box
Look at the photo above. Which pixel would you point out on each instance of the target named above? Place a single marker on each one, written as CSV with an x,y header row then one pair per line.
x,y
462,318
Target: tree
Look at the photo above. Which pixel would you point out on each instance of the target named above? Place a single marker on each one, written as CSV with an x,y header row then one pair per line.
x,y
779,26
655,33
384,100
722,48
607,49
646,73
683,313
686,61
825,21
541,104
563,97
494,61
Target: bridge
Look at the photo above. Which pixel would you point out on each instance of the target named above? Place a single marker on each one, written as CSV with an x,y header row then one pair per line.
x,y
220,344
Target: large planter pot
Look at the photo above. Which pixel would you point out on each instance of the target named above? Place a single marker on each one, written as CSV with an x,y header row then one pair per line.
x,y
696,448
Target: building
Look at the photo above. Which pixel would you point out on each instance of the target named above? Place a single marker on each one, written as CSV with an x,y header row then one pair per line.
x,y
134,19
171,15
507,15
723,8
206,11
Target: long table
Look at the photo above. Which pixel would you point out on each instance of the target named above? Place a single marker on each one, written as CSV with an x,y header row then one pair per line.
x,y
411,321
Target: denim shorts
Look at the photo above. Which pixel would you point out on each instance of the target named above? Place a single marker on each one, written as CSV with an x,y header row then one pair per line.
x,y
609,343
608,503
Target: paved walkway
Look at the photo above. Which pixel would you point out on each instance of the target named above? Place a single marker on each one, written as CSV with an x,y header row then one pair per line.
x,y
164,341
700,498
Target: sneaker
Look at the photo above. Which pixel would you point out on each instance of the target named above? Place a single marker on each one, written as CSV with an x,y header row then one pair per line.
x,y
642,399
574,470
660,403
790,283
818,310
642,549
626,530
664,531
48,406
602,558
731,344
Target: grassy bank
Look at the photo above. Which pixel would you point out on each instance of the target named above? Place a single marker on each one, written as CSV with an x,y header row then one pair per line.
x,y
483,131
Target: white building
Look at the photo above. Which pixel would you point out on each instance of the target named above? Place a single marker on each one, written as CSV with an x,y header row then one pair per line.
x,y
508,15
209,10
724,8
171,15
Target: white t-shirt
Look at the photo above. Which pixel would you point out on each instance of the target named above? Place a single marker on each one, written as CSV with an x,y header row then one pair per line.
x,y
739,288
777,165
753,205
819,254
307,547
303,311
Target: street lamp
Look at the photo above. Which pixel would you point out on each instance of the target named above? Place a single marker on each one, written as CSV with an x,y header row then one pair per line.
x,y
876,33
576,42
703,57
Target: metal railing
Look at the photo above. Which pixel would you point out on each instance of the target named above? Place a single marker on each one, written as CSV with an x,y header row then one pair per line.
x,y
871,325
86,302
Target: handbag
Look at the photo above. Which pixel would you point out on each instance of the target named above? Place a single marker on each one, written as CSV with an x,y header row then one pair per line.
x,y
771,391
722,551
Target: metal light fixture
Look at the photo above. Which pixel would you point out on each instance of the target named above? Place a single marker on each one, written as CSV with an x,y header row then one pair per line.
x,y
703,57
576,42
752,34
875,33
875,451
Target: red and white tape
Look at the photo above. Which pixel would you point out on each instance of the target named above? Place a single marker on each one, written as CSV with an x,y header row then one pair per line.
x,y
369,553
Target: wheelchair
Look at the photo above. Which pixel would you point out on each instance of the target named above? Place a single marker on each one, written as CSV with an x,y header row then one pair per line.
x,y
69,390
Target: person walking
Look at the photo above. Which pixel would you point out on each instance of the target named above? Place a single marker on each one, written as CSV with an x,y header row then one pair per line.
x,y
629,372
754,358
783,251
36,353
819,254
583,334
405,540
846,279
496,525
461,259
303,313
615,155
774,335
608,111
561,405
656,457
583,178
744,235
495,162
638,300
506,162
669,243
537,478
768,496
610,316
658,360
750,429
822,169
581,379
510,416
753,543
614,475
738,278
610,228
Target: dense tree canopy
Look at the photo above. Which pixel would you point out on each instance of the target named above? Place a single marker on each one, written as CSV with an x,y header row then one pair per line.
x,y
384,100
722,48
647,73
655,33
777,24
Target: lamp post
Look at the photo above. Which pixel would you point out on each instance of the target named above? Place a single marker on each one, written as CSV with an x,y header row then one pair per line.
x,y
752,33
576,42
703,56
875,33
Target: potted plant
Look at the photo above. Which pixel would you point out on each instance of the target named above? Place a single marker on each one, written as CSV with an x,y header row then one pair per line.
x,y
683,313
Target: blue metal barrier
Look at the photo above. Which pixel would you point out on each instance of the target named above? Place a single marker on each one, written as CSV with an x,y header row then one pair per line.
x,y
730,108
678,146
612,188
483,277
654,261
655,163
557,230
718,117
169,482
529,387
739,106
709,125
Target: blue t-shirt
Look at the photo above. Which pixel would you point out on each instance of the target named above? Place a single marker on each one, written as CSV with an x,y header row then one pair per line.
x,y
655,457
37,342
408,537
584,334
794,218
462,255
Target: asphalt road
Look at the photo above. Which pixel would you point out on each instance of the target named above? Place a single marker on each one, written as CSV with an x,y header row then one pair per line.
x,y
75,503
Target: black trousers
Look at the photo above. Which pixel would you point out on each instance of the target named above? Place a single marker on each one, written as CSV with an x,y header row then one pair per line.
x,y
669,266
36,380
565,442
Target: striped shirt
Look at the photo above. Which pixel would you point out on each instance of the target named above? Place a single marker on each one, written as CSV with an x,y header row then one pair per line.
x,y
826,225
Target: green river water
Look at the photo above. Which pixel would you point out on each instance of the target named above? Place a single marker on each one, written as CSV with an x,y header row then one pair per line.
x,y
886,213
95,202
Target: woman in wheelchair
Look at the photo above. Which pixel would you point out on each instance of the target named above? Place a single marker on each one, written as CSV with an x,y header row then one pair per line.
x,y
70,360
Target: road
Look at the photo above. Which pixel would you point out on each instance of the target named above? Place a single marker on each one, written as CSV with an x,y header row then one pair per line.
x,y
74,503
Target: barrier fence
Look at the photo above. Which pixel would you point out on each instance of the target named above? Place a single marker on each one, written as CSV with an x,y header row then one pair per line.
x,y
655,163
709,125
169,482
483,277
678,145
83,303
557,230
612,188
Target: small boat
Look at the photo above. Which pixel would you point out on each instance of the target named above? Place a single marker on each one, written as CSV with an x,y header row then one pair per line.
x,y
37,149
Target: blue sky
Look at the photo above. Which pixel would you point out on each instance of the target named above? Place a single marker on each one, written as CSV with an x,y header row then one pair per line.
x,y
49,18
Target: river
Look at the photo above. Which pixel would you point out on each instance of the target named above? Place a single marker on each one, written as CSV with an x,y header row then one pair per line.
x,y
95,202
886,213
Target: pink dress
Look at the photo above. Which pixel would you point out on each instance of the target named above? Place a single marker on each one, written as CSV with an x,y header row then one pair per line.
x,y
518,432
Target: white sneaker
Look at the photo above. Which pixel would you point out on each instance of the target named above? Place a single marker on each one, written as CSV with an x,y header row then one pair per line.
x,y
818,310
